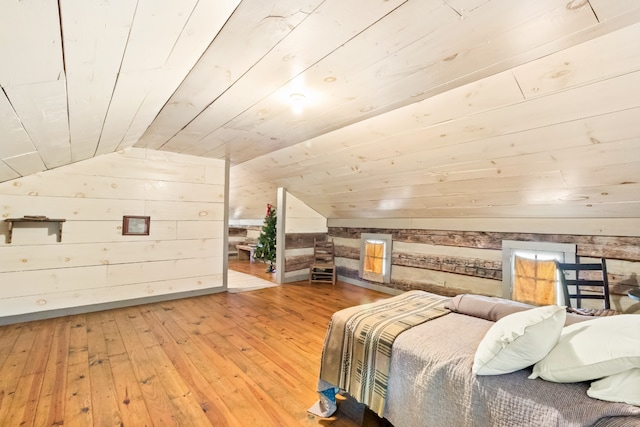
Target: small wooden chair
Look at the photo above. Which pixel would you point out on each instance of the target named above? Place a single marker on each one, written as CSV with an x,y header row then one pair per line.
x,y
323,268
592,286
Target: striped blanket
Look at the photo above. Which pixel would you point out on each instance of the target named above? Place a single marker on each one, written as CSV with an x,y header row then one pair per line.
x,y
357,351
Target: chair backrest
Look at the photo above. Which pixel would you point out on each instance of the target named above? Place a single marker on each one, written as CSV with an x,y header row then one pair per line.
x,y
585,281
323,252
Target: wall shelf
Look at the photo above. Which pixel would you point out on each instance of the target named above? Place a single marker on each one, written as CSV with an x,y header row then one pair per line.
x,y
37,219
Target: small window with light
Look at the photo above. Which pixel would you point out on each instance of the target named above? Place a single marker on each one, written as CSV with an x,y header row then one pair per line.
x,y
529,270
375,257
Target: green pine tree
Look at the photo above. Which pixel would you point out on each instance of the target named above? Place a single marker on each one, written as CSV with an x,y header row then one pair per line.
x,y
266,248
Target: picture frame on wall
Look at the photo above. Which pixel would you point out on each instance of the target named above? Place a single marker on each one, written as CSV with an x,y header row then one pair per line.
x,y
135,225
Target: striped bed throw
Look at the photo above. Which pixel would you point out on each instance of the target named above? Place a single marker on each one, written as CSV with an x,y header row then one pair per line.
x,y
357,351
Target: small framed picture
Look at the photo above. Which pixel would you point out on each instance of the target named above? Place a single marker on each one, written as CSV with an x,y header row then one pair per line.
x,y
135,225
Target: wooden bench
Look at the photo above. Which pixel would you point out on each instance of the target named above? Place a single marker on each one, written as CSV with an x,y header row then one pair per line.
x,y
245,252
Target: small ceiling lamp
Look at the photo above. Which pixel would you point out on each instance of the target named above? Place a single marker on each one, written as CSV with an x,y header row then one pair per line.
x,y
297,102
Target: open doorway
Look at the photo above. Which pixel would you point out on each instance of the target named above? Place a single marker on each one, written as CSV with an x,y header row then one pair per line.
x,y
243,238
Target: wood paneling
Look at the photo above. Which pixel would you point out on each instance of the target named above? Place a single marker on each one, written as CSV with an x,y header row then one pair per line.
x,y
302,227
454,261
85,297
40,284
26,164
95,263
382,153
163,45
417,181
53,256
579,66
606,10
152,271
99,31
298,262
80,209
302,240
300,218
42,108
465,266
17,142
237,232
616,247
133,167
299,252
420,109
57,183
338,23
7,173
35,28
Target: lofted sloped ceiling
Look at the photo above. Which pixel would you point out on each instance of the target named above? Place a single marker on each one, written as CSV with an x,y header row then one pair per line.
x,y
409,108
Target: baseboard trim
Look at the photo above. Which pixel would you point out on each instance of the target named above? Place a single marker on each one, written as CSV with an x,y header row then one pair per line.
x,y
42,315
297,278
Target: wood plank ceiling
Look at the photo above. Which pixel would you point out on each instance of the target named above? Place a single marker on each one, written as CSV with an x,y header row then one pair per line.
x,y
410,108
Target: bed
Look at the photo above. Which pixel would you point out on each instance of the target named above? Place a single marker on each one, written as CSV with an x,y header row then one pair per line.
x,y
420,368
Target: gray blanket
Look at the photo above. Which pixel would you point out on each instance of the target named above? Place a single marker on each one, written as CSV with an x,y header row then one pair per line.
x,y
431,384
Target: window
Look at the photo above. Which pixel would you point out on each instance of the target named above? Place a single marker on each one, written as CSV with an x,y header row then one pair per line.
x,y
375,257
534,278
529,272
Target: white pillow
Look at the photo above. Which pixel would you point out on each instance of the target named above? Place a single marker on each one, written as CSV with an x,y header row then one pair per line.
x,y
593,349
622,387
519,340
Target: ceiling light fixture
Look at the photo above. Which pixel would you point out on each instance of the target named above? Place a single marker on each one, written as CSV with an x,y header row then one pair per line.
x,y
297,102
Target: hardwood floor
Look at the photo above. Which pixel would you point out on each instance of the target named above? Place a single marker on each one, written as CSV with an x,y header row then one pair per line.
x,y
245,359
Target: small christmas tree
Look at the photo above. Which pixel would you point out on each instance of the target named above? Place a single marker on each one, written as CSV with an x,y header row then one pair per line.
x,y
266,248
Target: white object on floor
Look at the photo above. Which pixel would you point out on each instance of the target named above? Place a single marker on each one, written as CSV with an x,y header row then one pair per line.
x,y
241,282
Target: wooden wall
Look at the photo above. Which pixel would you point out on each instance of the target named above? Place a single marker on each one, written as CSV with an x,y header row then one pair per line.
x,y
448,259
302,226
237,236
242,234
95,263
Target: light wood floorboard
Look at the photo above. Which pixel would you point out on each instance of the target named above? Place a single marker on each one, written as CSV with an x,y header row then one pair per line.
x,y
244,359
